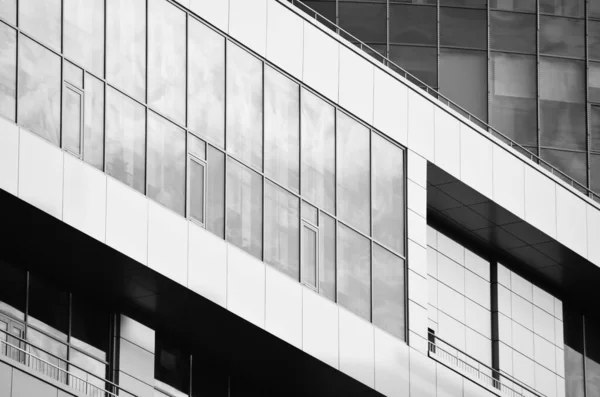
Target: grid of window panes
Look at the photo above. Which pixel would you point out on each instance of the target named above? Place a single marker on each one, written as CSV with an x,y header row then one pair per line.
x,y
176,110
539,86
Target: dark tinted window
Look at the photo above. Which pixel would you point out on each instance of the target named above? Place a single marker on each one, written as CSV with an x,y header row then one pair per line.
x,y
562,36
592,351
512,32
464,3
512,5
13,290
48,305
324,8
595,127
573,326
461,27
571,163
595,172
413,24
90,327
567,8
366,21
594,39
419,61
171,364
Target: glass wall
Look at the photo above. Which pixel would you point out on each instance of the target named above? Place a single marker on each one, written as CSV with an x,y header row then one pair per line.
x,y
582,353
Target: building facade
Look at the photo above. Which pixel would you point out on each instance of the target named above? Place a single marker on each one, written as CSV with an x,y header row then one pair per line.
x,y
226,198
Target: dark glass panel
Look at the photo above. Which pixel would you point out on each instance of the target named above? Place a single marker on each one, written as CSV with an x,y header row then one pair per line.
x,y
592,356
209,376
326,9
573,334
429,2
418,61
48,307
463,79
461,27
594,81
567,8
514,5
595,172
594,39
13,291
365,21
90,327
83,33
171,364
571,163
8,71
215,192
413,24
388,291
511,31
464,3
594,9
562,36
595,128
513,107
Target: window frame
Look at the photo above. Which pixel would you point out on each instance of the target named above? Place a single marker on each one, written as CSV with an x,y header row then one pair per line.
x,y
78,91
204,164
306,224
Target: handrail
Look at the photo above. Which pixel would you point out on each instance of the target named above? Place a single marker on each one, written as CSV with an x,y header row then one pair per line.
x,y
437,95
62,375
488,376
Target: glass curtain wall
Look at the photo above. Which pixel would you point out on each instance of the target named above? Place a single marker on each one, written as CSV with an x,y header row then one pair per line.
x,y
582,354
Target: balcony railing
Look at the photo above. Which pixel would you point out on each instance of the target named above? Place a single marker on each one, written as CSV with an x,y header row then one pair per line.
x,y
492,379
86,383
435,94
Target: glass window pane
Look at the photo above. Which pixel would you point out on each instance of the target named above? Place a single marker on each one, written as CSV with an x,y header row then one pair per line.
x,y
39,90
166,163
72,120
595,128
594,39
567,8
83,33
463,79
73,74
562,36
592,359
309,256
282,230
310,213
510,31
13,293
93,139
365,21
48,307
125,139
388,194
326,9
244,106
90,328
171,365
573,164
514,5
464,3
244,208
354,272
8,71
513,106
282,129
196,147
318,151
215,192
126,46
595,172
388,291
166,59
206,83
413,24
327,248
353,173
573,334
594,82
594,9
8,11
562,104
210,377
42,20
460,27
197,177
422,62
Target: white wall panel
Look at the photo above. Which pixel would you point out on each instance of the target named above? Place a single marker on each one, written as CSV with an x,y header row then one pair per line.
x,y
285,35
418,288
451,302
571,223
320,328
521,287
215,12
479,346
283,307
478,318
321,61
136,362
559,333
451,273
472,389
545,381
391,365
248,23
476,160
422,375
449,383
9,156
558,309
126,220
559,355
137,333
6,379
167,243
417,198
447,142
544,353
207,265
523,369
417,258
543,299
560,387
41,174
593,234
543,324
509,181
477,265
246,286
417,319
416,168
540,201
25,385
85,198
450,248
420,125
356,84
390,106
477,289
357,354
417,228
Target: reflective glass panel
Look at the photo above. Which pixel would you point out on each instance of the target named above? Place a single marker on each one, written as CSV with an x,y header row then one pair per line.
x,y
388,291
594,81
206,83
282,230
309,256
125,139
90,329
562,36
196,147
197,178
72,74
83,33
413,24
244,208
388,193
318,151
327,248
365,21
8,11
573,164
573,334
514,5
166,59
166,163
592,355
8,71
464,3
353,173
39,90
595,128
126,46
244,106
562,104
595,172
72,119
422,62
42,20
513,92
13,292
463,77
354,272
282,129
310,213
594,39
511,31
93,133
171,366
48,307
567,8
461,27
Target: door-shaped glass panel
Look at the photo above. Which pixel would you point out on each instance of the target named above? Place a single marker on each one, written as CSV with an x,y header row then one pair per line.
x,y
310,254
72,119
196,189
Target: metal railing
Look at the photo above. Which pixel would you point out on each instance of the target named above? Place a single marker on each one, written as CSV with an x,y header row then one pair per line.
x,y
86,383
452,105
472,368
